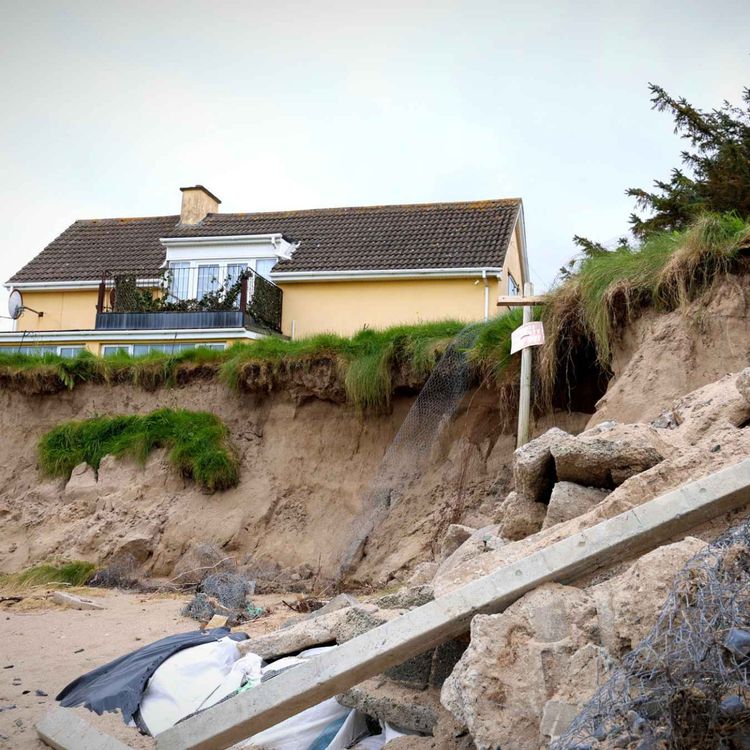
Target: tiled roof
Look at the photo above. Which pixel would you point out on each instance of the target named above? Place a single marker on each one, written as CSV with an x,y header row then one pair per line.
x,y
433,235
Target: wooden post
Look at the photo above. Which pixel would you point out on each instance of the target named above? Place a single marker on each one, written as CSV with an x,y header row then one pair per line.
x,y
524,400
100,298
243,294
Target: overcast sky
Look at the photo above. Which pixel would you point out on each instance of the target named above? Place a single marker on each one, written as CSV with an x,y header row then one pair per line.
x,y
109,107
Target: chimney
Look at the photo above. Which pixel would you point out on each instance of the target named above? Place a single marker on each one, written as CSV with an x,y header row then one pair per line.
x,y
196,203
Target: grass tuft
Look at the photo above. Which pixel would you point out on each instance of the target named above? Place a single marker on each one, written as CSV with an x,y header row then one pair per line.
x,y
74,573
198,444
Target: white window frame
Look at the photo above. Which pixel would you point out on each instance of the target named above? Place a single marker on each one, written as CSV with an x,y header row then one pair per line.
x,y
222,263
57,348
515,290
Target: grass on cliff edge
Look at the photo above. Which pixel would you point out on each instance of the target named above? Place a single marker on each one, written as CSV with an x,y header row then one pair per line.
x,y
198,444
609,289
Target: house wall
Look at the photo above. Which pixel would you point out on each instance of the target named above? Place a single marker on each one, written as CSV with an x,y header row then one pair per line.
x,y
74,310
513,264
344,307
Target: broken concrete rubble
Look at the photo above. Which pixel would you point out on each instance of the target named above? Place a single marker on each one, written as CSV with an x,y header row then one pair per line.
x,y
570,500
521,516
407,597
607,455
405,708
534,468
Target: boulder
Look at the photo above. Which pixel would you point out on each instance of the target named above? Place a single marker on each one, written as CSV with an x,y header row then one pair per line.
x,y
521,516
199,561
607,455
534,468
456,534
405,708
335,627
517,661
569,500
629,604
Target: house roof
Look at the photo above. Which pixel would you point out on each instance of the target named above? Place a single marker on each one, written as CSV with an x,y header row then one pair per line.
x,y
432,235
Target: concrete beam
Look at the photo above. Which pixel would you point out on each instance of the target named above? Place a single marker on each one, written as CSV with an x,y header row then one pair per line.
x,y
64,730
639,529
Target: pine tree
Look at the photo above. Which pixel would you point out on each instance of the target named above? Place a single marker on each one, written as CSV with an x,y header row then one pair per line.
x,y
717,174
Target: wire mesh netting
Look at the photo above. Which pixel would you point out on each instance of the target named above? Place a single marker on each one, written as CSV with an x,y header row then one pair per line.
x,y
687,685
408,454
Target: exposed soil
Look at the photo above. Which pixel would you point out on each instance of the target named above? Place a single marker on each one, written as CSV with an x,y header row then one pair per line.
x,y
662,357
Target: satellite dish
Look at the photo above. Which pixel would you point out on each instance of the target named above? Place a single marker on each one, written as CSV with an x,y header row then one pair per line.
x,y
15,304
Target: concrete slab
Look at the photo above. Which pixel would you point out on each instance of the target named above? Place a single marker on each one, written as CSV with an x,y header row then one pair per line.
x,y
64,730
642,528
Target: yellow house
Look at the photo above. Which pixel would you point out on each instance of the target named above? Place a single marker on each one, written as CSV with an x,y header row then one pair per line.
x,y
207,278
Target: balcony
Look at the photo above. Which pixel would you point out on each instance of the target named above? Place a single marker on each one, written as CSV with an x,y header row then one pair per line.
x,y
198,297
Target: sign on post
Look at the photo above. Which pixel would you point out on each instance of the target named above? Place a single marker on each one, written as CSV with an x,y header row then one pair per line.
x,y
528,334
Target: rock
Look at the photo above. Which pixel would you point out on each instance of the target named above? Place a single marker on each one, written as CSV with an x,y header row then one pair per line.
x,y
534,468
423,573
539,648
411,710
455,535
479,543
629,604
82,481
74,602
334,627
607,455
444,659
407,598
229,589
414,672
199,561
569,500
521,516
136,547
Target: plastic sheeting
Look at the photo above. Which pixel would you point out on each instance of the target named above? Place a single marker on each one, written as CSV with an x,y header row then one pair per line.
x,y
120,684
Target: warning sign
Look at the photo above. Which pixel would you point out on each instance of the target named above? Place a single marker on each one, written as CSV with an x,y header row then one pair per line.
x,y
529,334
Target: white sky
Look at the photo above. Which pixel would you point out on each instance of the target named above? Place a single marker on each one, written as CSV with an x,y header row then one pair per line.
x,y
109,107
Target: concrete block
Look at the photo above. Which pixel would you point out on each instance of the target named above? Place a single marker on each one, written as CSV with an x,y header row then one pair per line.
x,y
64,730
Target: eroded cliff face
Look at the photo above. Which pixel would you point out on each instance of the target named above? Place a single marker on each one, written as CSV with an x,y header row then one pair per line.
x,y
305,469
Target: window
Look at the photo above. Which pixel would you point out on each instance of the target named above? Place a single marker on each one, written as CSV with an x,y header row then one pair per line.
x,y
109,351
179,280
513,288
70,351
263,267
234,271
208,280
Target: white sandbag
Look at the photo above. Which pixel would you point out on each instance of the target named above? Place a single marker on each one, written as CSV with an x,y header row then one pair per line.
x,y
193,679
326,726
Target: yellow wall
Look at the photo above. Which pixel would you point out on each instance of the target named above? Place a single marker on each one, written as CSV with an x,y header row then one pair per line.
x,y
344,307
63,311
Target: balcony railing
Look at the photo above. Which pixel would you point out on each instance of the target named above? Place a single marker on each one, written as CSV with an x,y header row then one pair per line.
x,y
198,297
